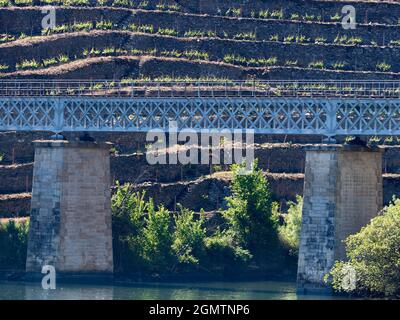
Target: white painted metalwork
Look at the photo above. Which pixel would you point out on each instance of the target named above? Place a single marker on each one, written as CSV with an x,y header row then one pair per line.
x,y
315,113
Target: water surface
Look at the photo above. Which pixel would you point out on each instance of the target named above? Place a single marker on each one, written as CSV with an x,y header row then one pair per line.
x,y
156,291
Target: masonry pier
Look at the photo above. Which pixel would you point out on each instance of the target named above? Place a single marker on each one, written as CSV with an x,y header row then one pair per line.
x,y
342,192
70,220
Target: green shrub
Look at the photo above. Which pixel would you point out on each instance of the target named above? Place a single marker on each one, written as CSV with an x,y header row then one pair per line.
x,y
223,252
339,65
189,237
320,40
336,17
290,230
264,14
28,64
277,14
23,2
249,212
167,32
274,37
13,244
291,63
200,33
373,257
104,25
316,64
383,66
234,12
128,210
157,238
295,16
6,37
4,3
76,2
49,62
145,28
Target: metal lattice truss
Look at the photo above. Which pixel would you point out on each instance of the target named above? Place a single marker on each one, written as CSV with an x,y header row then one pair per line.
x,y
311,116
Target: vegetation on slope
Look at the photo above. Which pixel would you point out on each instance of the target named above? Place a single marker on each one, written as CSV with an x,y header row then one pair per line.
x,y
373,266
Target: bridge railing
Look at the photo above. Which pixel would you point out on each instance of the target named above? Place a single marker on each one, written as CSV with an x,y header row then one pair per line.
x,y
215,88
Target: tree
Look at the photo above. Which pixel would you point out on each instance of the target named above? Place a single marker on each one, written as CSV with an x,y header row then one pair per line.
x,y
157,239
249,212
291,229
373,257
189,237
128,210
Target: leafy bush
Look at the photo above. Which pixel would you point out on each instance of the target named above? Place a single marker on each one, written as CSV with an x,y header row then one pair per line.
x,y
157,238
4,3
13,244
150,239
223,252
189,237
373,257
249,212
383,66
28,64
128,210
290,230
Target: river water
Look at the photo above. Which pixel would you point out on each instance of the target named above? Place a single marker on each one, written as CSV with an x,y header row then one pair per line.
x,y
157,291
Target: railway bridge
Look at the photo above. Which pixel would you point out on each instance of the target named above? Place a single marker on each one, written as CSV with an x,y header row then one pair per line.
x,y
70,224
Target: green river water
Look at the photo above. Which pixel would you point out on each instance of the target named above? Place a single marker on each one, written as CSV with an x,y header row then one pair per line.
x,y
156,291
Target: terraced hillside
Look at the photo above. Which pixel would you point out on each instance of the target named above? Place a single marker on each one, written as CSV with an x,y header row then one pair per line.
x,y
115,39
191,39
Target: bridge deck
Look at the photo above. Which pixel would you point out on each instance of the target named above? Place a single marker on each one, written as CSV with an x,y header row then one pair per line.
x,y
327,108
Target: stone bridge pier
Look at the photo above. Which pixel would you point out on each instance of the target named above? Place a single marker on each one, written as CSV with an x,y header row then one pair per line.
x,y
342,192
70,221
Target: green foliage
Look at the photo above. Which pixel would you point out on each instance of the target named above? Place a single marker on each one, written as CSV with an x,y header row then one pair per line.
x,y
373,255
249,212
146,28
277,14
234,12
6,37
290,230
316,64
345,40
200,34
223,251
149,239
383,66
189,237
28,64
168,7
128,210
167,32
245,36
157,238
13,244
23,2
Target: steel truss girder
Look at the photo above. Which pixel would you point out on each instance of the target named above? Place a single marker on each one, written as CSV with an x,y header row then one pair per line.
x,y
308,116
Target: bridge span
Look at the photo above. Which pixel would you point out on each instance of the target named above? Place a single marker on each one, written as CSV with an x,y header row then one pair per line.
x,y
328,108
70,224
